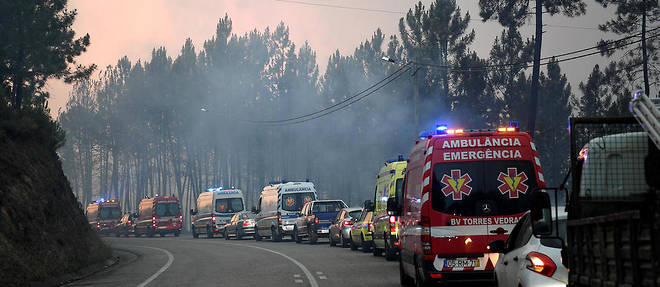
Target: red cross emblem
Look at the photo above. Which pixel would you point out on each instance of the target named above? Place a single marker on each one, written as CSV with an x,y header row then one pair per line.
x,y
308,199
513,182
290,201
456,184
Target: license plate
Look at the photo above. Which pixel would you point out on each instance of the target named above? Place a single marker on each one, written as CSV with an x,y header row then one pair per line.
x,y
323,231
454,263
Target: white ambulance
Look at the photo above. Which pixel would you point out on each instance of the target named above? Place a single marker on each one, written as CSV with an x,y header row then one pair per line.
x,y
214,209
278,207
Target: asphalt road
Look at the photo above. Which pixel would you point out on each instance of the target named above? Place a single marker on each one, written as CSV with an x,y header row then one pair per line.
x,y
184,261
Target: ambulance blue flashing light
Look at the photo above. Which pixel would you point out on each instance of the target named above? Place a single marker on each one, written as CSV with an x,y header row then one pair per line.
x,y
441,129
423,135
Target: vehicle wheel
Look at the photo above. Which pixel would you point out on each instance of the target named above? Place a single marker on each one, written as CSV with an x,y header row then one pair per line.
x,y
419,276
295,234
353,244
376,251
209,232
176,234
332,241
275,234
364,244
137,234
226,236
150,233
404,279
162,235
194,232
313,237
239,236
343,242
257,237
390,253
126,234
117,234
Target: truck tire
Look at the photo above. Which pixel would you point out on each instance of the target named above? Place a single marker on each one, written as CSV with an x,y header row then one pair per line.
x,y
419,276
332,241
150,233
343,242
364,244
295,234
209,232
194,232
257,237
313,237
376,251
353,245
404,279
390,253
176,234
226,236
275,234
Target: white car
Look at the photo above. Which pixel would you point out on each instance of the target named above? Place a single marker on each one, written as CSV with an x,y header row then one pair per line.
x,y
528,260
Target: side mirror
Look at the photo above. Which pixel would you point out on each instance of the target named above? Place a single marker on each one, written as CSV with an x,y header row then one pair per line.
x,y
541,214
497,246
369,205
393,206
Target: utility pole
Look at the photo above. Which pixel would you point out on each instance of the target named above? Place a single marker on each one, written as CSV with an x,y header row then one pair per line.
x,y
645,58
415,102
536,69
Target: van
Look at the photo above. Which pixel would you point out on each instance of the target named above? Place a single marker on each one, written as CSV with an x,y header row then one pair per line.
x,y
159,215
215,207
463,189
389,184
278,208
103,215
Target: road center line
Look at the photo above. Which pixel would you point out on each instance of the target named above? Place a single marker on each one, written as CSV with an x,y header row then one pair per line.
x,y
310,276
170,259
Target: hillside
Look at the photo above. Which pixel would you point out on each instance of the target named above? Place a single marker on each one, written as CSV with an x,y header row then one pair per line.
x,y
43,231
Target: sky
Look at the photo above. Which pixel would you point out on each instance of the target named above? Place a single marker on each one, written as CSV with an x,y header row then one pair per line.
x,y
134,28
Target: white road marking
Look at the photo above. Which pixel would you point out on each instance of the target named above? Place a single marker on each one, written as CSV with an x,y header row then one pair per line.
x,y
296,275
310,277
322,277
170,259
319,273
298,281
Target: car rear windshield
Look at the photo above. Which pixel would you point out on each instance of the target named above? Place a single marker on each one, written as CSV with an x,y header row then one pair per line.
x,y
295,201
228,205
327,206
167,209
483,188
110,212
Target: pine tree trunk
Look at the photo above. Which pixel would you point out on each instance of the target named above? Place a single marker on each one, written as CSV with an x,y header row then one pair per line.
x,y
645,58
536,69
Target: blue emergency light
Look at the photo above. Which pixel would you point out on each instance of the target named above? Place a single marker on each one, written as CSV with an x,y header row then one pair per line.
x,y
441,129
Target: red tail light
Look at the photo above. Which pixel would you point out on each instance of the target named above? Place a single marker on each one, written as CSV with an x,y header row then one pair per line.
x,y
180,218
153,219
540,263
98,225
392,219
129,222
393,227
371,227
279,217
347,222
213,219
316,220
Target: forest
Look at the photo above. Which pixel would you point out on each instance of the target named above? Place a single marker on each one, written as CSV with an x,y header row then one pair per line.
x,y
247,109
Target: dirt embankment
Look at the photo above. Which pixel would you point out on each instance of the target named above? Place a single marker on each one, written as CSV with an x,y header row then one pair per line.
x,y
43,231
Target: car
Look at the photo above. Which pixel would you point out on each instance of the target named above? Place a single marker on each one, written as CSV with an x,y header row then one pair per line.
x,y
529,260
340,230
315,219
240,225
362,231
126,225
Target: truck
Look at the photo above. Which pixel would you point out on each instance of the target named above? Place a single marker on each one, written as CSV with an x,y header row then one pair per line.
x,y
103,215
613,236
389,184
462,190
215,208
278,208
159,215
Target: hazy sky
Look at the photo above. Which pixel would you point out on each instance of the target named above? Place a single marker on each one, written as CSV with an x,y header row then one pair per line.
x,y
134,28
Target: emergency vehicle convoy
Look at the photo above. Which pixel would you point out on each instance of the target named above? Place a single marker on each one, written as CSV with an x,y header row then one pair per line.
x,y
215,207
159,215
463,189
103,215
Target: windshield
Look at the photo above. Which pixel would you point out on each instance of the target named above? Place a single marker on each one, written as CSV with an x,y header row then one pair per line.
x,y
228,205
328,206
482,188
167,209
295,201
354,214
110,212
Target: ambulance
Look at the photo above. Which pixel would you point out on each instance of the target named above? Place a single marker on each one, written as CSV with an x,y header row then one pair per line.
x,y
389,184
279,205
159,215
215,208
463,189
103,215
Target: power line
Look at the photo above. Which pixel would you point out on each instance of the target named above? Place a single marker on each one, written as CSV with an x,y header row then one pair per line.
x,y
370,90
521,64
404,13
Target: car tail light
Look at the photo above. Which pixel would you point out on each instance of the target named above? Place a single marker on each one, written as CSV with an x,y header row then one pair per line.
x,y
279,217
246,223
426,235
98,225
180,218
129,222
540,263
316,220
213,219
393,224
371,227
347,222
153,219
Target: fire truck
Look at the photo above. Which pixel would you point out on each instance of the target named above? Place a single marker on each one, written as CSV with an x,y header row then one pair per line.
x,y
103,215
160,214
462,190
